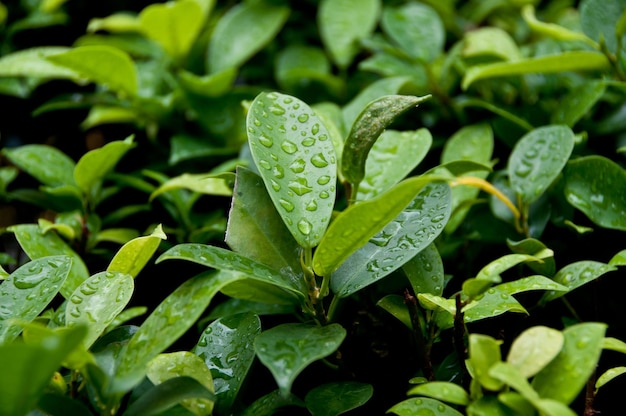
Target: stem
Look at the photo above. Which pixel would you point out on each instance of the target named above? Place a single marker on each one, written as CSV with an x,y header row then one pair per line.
x,y
423,349
459,337
590,395
333,308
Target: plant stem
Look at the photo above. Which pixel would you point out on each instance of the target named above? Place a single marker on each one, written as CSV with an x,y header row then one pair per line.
x,y
590,395
459,337
423,349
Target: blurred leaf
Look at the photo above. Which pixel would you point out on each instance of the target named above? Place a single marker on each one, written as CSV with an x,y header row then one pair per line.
x,y
609,375
578,102
442,390
213,85
394,304
270,403
45,163
492,42
484,353
135,254
599,18
116,23
336,398
534,348
203,183
412,407
32,62
577,274
552,30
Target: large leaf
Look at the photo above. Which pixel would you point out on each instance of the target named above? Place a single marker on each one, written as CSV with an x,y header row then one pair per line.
x,y
242,32
97,302
28,291
425,271
333,399
296,158
405,236
534,348
343,24
47,164
599,18
226,348
442,390
288,349
537,159
135,254
577,274
255,229
597,186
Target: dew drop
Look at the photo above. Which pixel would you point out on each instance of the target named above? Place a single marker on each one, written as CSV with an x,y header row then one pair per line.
x,y
289,147
323,180
319,161
315,129
323,137
324,195
296,106
287,205
304,226
275,185
308,142
312,206
300,186
288,100
265,141
303,118
277,110
265,164
524,169
297,166
257,122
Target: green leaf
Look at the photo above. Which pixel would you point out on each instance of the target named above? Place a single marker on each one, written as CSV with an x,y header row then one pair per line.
x,y
174,25
442,390
546,266
609,375
614,344
333,399
355,226
301,68
288,349
243,31
97,302
26,292
578,102
492,303
213,85
115,23
135,254
45,163
32,62
426,406
525,284
166,395
166,367
618,259
222,259
577,274
395,305
550,29
567,374
367,127
565,61
416,28
425,271
226,348
511,376
270,403
94,165
537,159
55,404
171,319
494,406
400,240
596,186
255,229
103,65
343,24
37,244
203,183
598,19
491,42
291,147
534,348
484,353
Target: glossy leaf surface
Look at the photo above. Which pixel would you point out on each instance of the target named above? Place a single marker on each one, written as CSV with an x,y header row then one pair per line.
x,y
203,183
288,349
28,291
534,348
412,407
333,399
45,163
296,158
425,271
442,390
609,375
135,254
394,304
577,274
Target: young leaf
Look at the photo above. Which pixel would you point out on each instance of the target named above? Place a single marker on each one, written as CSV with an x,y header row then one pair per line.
x,y
343,24
609,375
32,62
442,390
97,301
28,291
490,42
400,240
367,127
425,271
525,284
534,348
537,159
595,185
47,164
296,159
577,274
564,377
412,407
243,31
511,376
492,303
288,349
226,348
135,254
484,353
333,399
394,304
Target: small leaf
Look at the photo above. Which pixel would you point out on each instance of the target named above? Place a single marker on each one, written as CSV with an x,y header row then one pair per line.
x,y
26,292
492,303
511,376
243,31
135,254
565,61
203,183
614,344
32,62
296,159
564,377
550,29
288,349
412,407
609,375
425,271
577,274
442,390
619,259
97,302
270,403
537,159
343,24
534,348
394,304
115,23
226,348
336,398
491,42
103,65
47,164
213,85
546,266
484,353
595,185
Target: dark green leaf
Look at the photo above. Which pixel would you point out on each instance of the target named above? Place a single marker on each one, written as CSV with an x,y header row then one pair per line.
x,y
333,399
425,271
45,163
578,103
270,403
395,305
598,19
577,274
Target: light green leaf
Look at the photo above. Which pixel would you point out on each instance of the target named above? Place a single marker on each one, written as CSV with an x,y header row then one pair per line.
x,y
567,374
135,254
609,375
492,303
165,367
243,31
442,390
434,303
619,259
213,85
45,163
291,147
566,61
412,407
550,29
512,377
203,183
400,240
614,344
578,102
416,28
226,348
32,62
537,159
425,271
105,114
174,25
492,42
103,65
577,274
121,22
484,353
300,67
534,348
597,186
288,349
343,24
97,302
336,398
535,282
395,305
37,244
26,292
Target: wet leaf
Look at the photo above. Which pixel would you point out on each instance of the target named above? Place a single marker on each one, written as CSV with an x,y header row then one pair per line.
x,y
492,303
270,403
577,274
288,349
400,240
336,398
525,284
618,259
26,292
343,24
135,254
425,271
609,375
97,302
394,304
484,353
47,164
442,390
537,159
296,158
546,266
226,346
412,407
213,85
203,183
32,62
243,31
534,348
512,377
596,186
564,377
